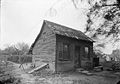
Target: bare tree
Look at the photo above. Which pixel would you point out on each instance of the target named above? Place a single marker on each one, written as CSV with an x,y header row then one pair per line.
x,y
17,49
10,50
22,47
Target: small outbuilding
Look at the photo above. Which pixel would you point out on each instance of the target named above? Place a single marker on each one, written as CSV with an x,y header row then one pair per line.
x,y
62,47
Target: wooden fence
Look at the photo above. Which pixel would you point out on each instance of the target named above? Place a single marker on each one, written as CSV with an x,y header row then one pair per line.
x,y
20,58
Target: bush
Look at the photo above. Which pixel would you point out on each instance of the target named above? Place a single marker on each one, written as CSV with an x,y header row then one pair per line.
x,y
116,65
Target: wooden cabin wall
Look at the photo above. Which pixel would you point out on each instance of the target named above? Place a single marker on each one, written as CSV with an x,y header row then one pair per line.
x,y
69,65
45,47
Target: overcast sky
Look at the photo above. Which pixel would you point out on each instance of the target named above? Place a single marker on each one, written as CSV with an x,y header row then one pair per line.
x,y
21,20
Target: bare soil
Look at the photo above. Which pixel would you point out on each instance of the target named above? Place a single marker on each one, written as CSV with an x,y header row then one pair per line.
x,y
64,78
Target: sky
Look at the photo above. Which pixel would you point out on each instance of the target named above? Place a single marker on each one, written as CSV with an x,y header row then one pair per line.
x,y
21,20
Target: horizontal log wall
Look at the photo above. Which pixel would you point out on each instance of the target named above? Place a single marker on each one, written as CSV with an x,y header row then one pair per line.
x,y
45,47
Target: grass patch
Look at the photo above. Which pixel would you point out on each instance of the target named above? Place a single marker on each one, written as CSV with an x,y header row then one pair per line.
x,y
6,76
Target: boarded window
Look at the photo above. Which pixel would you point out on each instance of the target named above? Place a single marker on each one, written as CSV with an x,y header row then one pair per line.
x,y
64,53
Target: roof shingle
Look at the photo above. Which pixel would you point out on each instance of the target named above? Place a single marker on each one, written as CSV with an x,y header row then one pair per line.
x,y
66,31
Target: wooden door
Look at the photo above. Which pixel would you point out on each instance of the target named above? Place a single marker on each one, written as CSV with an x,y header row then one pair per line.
x,y
77,57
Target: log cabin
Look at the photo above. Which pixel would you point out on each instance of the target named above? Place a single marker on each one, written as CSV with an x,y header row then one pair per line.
x,y
62,47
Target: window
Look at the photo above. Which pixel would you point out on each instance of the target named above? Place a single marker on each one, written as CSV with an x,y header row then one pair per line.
x,y
86,52
64,53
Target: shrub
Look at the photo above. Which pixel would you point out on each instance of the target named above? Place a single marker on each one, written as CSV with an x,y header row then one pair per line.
x,y
115,65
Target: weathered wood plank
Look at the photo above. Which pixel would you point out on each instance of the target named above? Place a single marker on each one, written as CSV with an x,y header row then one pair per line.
x,y
38,68
45,47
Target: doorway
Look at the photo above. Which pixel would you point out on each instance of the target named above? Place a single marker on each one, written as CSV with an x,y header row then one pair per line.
x,y
77,57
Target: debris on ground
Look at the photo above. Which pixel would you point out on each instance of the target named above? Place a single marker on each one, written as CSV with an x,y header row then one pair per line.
x,y
46,76
38,68
98,68
81,70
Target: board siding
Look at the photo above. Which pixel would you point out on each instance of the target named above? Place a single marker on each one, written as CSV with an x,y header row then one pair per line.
x,y
69,65
45,47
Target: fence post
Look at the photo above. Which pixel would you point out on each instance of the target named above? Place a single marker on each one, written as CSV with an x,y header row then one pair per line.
x,y
19,59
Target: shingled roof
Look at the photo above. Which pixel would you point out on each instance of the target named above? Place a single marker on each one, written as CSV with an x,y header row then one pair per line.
x,y
64,31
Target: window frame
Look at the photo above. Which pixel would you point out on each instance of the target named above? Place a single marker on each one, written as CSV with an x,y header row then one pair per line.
x,y
87,55
62,52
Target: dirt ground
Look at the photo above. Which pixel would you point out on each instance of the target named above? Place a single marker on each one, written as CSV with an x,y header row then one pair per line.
x,y
66,78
